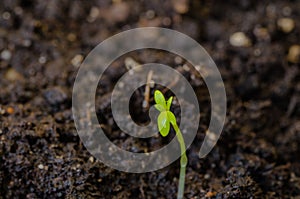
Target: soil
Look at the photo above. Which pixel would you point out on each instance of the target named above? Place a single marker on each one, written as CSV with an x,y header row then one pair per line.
x,y
42,44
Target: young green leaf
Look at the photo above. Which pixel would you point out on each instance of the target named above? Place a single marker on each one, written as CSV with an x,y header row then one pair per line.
x,y
163,123
159,98
162,119
159,107
165,130
169,103
171,117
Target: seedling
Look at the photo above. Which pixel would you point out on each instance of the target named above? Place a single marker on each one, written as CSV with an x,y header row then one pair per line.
x,y
164,120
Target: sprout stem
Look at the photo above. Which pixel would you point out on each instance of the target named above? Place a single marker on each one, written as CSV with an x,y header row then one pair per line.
x,y
183,162
181,183
165,118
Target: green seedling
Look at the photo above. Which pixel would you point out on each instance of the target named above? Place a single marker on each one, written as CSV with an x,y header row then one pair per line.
x,y
165,119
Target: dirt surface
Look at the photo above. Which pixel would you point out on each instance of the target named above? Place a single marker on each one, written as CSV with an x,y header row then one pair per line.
x,y
42,43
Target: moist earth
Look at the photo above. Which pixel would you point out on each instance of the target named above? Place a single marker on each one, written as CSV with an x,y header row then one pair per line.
x,y
255,45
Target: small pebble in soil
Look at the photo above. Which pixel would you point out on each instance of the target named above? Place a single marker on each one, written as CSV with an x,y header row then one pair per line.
x,y
181,6
294,54
257,52
6,55
286,11
210,194
271,11
40,166
10,110
119,11
285,24
121,85
76,61
239,39
130,63
261,33
91,159
166,21
42,60
26,43
178,60
2,111
55,96
13,75
186,67
150,14
207,176
94,13
18,10
6,15
71,37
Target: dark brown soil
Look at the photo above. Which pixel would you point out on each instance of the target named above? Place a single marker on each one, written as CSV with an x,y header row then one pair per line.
x,y
41,43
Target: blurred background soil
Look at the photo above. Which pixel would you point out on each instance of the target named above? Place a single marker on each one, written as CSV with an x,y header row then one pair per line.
x,y
255,44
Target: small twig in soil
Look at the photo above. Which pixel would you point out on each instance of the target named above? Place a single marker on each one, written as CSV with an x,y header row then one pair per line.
x,y
141,187
147,91
130,63
173,83
169,86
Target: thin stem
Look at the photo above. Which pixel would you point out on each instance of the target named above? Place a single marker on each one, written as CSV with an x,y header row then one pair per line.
x,y
183,162
181,182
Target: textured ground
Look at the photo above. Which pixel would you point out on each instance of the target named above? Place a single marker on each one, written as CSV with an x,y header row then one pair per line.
x,y
42,44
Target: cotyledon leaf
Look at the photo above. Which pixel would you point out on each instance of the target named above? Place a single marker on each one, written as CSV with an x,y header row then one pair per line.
x,y
163,123
159,107
159,98
169,103
171,117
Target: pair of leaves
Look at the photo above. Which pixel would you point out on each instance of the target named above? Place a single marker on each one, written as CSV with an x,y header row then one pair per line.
x,y
166,117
